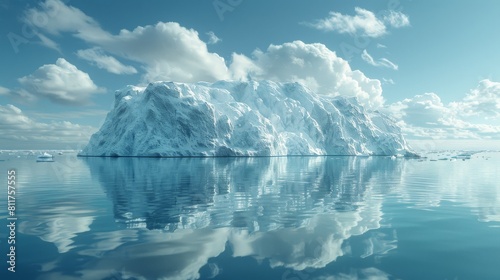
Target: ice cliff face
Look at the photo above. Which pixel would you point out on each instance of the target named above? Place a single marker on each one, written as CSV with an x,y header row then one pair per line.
x,y
240,119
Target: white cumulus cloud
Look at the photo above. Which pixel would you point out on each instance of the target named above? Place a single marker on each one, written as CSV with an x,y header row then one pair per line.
x,y
20,95
61,82
55,17
427,117
381,62
314,65
172,52
363,23
49,43
484,100
212,38
396,19
4,91
388,81
20,131
106,62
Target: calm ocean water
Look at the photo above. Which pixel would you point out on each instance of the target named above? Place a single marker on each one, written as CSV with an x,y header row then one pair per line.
x,y
296,218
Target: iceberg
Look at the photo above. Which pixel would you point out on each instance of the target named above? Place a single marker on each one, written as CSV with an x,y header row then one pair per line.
x,y
44,157
235,118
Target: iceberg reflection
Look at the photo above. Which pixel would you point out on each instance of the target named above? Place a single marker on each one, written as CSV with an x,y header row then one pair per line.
x,y
257,194
280,218
294,212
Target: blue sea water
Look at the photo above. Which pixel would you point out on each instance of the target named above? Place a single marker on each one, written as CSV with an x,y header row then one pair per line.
x,y
286,218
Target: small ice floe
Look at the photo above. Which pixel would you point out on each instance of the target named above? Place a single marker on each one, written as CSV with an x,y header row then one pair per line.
x,y
60,153
464,156
45,157
393,157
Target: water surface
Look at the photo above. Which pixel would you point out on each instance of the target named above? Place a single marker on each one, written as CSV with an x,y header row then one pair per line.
x,y
255,218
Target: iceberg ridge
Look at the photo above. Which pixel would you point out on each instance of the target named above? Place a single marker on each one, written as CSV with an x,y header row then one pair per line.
x,y
229,118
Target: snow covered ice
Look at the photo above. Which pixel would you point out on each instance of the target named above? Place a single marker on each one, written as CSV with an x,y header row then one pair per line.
x,y
229,118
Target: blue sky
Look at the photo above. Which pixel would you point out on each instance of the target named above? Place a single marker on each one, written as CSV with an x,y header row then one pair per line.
x,y
432,65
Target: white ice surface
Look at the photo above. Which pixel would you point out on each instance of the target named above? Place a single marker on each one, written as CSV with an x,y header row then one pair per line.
x,y
228,118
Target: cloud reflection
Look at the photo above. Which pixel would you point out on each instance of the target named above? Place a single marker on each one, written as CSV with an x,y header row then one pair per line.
x,y
258,194
295,212
59,225
471,183
173,216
